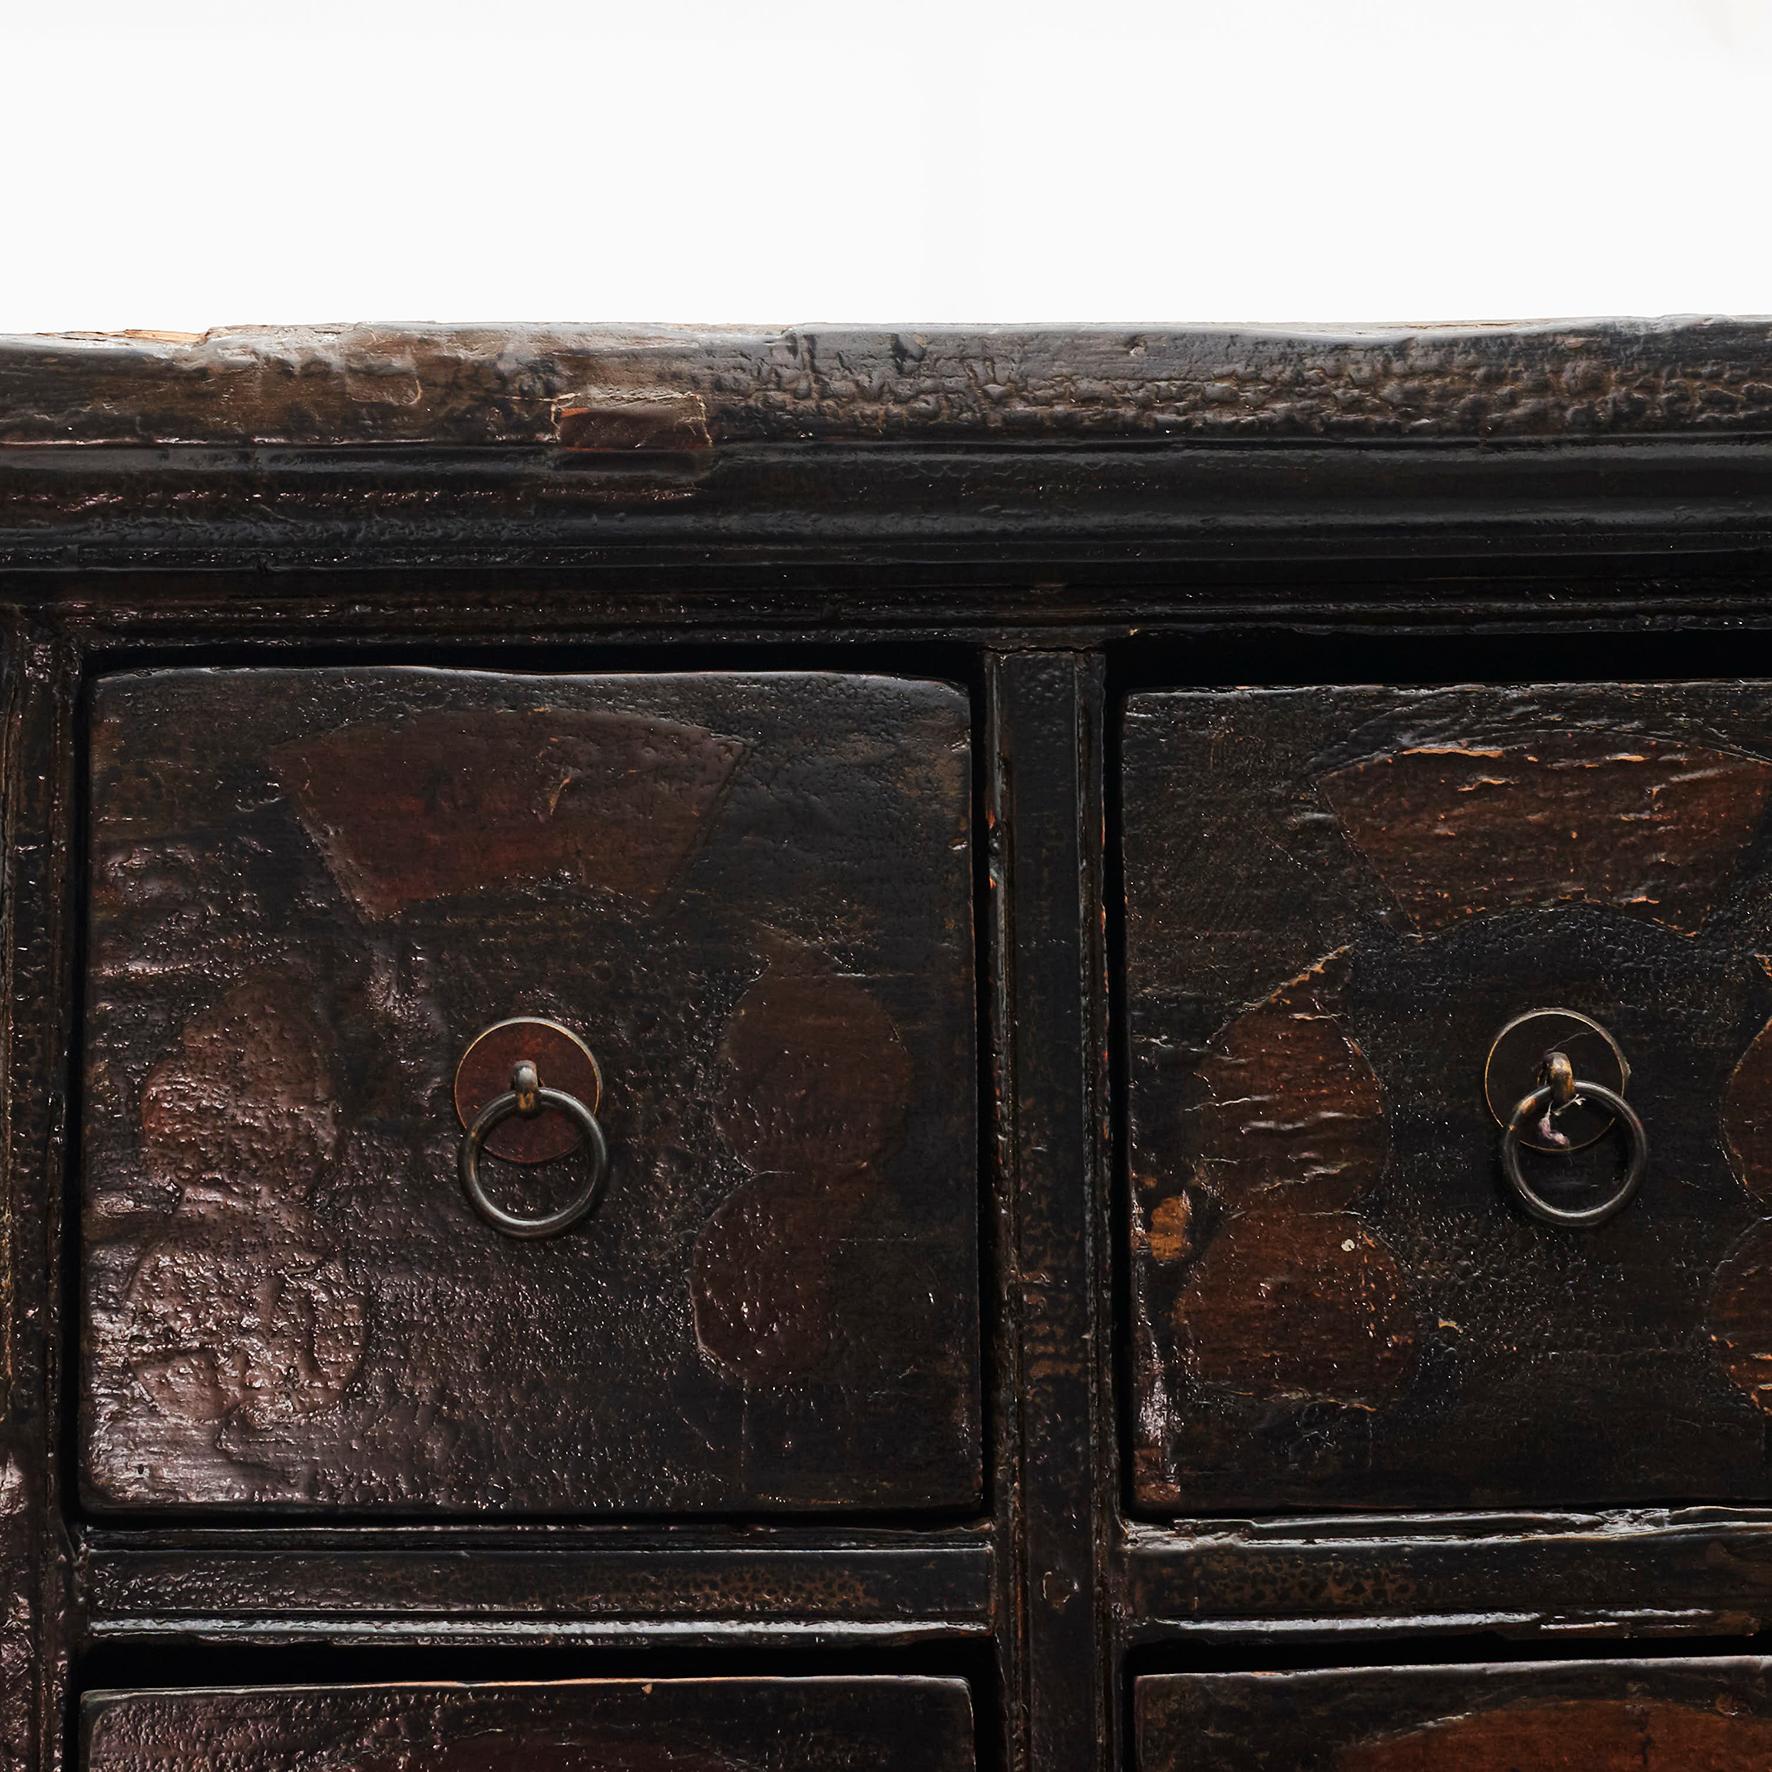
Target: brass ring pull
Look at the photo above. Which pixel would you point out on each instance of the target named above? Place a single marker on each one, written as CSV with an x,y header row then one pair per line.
x,y
1559,1090
526,1096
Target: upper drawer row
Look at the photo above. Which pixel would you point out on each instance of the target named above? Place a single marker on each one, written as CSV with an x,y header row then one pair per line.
x,y
735,916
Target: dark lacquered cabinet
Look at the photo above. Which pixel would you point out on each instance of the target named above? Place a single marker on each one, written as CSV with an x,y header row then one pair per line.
x,y
1047,1051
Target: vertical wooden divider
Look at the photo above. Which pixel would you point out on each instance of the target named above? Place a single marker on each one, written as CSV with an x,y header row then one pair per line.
x,y
1045,733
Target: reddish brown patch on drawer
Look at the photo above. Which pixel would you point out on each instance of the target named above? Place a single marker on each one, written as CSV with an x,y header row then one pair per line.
x,y
1747,1114
1638,824
1598,1735
1298,1307
763,1287
621,421
816,1087
1740,1316
1290,1101
1292,1297
446,803
814,1073
1293,1300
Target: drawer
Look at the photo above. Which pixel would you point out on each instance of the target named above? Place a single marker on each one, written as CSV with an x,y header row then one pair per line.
x,y
761,1725
1601,1716
1336,901
747,901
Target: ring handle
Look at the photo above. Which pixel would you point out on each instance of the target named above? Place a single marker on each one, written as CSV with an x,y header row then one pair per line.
x,y
526,1096
1559,1091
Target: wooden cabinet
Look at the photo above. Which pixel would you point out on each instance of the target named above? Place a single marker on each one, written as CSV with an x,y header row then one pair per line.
x,y
862,1049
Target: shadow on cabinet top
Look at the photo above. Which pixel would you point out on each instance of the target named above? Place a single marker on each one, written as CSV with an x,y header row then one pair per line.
x,y
679,390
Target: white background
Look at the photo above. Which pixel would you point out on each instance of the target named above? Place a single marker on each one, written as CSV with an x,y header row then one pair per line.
x,y
181,165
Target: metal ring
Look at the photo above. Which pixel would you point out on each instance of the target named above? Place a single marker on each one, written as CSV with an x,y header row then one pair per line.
x,y
1586,1217
501,1107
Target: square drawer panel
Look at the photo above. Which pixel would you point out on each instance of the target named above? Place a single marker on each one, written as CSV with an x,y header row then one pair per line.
x,y
1600,1716
749,896
1336,899
762,1725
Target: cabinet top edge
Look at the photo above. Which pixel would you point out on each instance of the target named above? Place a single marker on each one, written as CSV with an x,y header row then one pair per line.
x,y
620,390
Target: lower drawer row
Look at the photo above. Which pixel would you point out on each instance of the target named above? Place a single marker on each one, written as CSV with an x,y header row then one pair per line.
x,y
1650,1716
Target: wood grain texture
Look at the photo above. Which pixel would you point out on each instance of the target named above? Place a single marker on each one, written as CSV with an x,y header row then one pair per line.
x,y
730,1725
1620,1716
288,1301
1336,1302
620,390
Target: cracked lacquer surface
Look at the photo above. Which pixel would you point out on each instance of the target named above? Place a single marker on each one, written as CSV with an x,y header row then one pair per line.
x,y
727,1725
1457,829
1284,1297
750,895
1336,1301
1671,1716
679,390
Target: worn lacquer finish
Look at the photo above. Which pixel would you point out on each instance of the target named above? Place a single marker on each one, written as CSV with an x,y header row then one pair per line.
x,y
717,1725
750,895
682,390
281,1409
1335,899
1622,1716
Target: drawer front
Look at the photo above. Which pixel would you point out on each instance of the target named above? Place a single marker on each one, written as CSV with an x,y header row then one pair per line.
x,y
744,1725
1617,1716
1335,900
750,897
